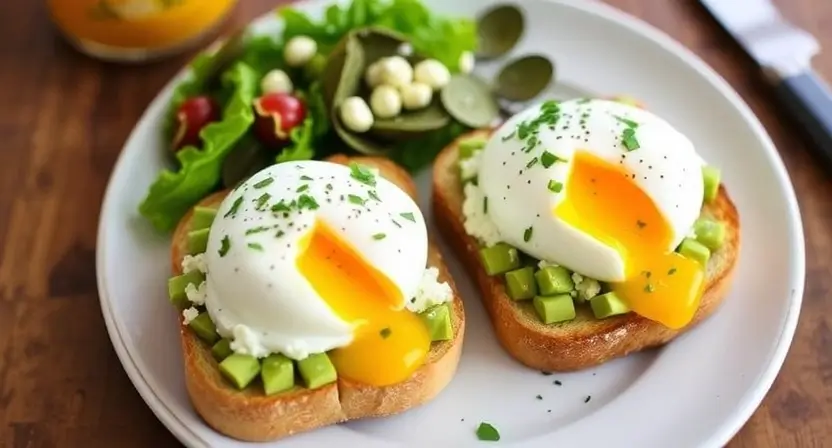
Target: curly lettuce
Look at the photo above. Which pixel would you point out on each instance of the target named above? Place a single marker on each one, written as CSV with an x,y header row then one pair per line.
x,y
174,192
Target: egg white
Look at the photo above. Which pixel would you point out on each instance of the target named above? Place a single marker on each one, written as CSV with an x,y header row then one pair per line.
x,y
665,166
258,297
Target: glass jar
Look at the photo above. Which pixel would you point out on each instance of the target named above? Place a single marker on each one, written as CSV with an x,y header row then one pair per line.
x,y
137,30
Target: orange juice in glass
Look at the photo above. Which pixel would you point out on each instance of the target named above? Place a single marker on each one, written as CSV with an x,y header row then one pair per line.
x,y
137,30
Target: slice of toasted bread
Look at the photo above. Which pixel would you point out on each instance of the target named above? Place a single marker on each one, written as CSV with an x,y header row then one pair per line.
x,y
250,415
585,341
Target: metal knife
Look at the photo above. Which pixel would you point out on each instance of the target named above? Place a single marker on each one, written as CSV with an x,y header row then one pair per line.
x,y
785,53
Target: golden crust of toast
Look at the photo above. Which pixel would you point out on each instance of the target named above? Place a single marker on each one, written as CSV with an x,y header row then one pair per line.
x,y
250,415
585,341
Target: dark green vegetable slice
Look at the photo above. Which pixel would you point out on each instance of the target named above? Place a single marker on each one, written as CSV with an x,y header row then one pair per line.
x,y
349,76
247,158
524,78
470,101
498,31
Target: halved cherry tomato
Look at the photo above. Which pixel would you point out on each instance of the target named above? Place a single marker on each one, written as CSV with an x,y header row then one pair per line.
x,y
276,115
193,115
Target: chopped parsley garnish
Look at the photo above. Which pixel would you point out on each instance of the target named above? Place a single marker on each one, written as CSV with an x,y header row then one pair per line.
x,y
584,100
281,207
671,271
373,195
385,332
557,383
548,159
308,202
555,186
528,130
647,274
260,203
527,235
396,223
255,246
539,397
588,397
485,204
329,187
280,233
379,236
648,288
509,136
358,200
488,433
628,139
641,224
305,177
257,229
627,122
263,183
532,162
234,207
302,188
408,216
362,174
225,245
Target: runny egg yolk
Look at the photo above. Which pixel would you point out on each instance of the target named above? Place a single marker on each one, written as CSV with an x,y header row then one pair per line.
x,y
389,342
603,201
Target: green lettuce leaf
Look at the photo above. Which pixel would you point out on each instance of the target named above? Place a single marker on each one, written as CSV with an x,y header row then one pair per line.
x,y
431,34
174,192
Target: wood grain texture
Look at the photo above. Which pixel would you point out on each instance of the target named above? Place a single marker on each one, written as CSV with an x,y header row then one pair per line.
x,y
63,120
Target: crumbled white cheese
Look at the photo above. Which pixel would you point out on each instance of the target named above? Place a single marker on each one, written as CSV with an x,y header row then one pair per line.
x,y
196,294
299,50
189,314
466,62
431,292
468,168
246,342
586,287
477,222
194,263
543,263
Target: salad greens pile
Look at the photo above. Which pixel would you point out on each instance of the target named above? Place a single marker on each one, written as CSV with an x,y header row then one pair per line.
x,y
199,170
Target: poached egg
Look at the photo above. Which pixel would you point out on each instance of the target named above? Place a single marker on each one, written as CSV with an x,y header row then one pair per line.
x,y
309,257
605,189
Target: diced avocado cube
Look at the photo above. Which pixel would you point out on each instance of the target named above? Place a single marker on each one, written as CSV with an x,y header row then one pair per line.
x,y
221,350
521,283
711,177
468,146
203,217
553,309
694,250
317,370
176,288
277,373
607,305
709,232
553,280
197,241
438,321
204,327
239,369
499,258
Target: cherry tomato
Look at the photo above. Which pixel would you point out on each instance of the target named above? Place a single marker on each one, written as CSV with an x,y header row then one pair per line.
x,y
276,115
193,115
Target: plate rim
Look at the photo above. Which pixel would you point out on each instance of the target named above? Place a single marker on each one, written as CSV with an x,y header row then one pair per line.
x,y
720,435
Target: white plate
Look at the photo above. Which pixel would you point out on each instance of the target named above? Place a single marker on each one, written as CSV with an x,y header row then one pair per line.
x,y
698,391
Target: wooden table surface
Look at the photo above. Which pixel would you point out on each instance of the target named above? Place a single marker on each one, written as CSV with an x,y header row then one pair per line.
x,y
63,120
